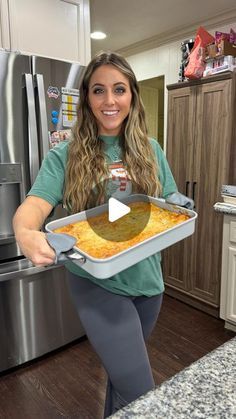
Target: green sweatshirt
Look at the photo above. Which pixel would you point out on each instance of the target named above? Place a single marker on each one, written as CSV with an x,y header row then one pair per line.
x,y
143,278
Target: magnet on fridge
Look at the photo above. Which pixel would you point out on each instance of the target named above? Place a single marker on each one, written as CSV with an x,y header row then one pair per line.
x,y
54,120
54,114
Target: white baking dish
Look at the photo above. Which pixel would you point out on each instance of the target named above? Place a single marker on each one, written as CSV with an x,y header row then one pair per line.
x,y
105,268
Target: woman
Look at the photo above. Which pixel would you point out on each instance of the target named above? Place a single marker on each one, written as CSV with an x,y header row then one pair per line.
x,y
118,313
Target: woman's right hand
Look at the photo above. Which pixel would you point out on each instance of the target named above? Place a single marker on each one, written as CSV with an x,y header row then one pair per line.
x,y
35,247
27,222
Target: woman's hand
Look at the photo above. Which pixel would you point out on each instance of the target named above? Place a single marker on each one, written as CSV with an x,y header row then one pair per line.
x,y
35,247
27,222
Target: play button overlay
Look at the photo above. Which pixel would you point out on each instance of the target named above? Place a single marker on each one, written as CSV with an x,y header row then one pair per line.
x,y
116,209
119,218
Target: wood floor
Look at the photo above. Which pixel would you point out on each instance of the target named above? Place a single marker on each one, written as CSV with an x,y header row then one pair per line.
x,y
70,382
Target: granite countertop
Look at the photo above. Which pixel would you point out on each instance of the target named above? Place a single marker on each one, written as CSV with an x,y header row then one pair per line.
x,y
225,208
206,389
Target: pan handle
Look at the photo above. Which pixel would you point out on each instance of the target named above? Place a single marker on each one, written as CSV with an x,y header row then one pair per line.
x,y
71,255
63,244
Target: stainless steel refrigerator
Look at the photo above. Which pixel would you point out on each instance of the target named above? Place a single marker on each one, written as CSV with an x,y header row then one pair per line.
x,y
38,99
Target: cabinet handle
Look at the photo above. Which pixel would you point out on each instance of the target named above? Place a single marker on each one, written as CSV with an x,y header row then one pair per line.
x,y
194,189
187,187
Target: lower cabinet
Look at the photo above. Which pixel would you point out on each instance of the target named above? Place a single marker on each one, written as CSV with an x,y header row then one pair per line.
x,y
228,273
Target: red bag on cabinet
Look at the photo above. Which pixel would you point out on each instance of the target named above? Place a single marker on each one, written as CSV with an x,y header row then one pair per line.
x,y
196,64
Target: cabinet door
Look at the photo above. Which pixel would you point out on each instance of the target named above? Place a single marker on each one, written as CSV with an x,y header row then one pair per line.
x,y
210,171
181,121
198,150
231,289
53,28
4,25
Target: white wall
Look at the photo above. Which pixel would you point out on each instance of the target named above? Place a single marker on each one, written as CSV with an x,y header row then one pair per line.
x,y
164,61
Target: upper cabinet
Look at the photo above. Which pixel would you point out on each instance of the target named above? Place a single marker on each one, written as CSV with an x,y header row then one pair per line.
x,y
4,25
54,28
200,150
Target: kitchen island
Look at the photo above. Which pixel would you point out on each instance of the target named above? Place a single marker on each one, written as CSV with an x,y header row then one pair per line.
x,y
206,389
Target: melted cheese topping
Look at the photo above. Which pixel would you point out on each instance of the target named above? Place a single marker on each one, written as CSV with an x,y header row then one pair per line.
x,y
122,233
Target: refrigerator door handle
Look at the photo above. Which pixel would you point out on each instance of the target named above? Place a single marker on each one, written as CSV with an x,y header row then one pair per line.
x,y
22,268
33,137
42,115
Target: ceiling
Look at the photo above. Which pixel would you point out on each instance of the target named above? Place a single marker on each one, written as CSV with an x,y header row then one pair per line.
x,y
132,23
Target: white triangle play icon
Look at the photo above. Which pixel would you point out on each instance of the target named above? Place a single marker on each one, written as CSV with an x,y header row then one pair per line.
x,y
116,209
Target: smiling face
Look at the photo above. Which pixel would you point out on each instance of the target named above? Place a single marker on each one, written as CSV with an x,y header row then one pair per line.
x,y
109,98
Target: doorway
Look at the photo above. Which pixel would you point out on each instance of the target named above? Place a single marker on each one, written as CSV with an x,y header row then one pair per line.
x,y
152,94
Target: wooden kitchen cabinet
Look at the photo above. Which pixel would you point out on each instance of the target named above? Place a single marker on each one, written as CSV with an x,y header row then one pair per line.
x,y
200,148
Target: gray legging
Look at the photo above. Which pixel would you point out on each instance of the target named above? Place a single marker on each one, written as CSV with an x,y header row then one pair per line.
x,y
117,327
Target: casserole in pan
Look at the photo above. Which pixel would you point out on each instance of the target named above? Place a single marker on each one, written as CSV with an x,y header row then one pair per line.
x,y
103,248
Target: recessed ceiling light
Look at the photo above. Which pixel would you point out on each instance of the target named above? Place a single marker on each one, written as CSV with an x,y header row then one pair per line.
x,y
98,35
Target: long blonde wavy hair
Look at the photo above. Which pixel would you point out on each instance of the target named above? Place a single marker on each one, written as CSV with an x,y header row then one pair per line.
x,y
86,165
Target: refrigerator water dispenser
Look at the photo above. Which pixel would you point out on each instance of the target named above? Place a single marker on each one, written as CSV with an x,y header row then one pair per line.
x,y
10,195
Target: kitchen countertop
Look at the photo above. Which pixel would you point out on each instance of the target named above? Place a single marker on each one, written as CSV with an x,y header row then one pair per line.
x,y
206,389
225,208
